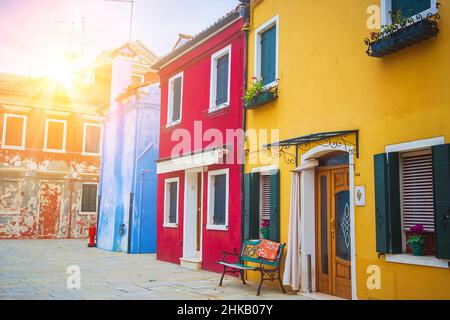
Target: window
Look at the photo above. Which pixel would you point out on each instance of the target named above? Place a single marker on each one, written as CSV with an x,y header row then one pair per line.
x,y
89,198
417,190
171,194
14,131
412,180
137,78
92,138
266,51
9,196
409,8
55,135
175,103
220,79
218,191
264,206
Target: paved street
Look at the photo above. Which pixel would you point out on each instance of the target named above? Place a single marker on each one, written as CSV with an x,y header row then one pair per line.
x,y
37,269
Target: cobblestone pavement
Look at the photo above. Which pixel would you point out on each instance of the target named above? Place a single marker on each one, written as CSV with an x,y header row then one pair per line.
x,y
37,269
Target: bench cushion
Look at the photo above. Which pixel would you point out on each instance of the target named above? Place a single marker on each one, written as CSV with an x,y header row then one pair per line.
x,y
239,266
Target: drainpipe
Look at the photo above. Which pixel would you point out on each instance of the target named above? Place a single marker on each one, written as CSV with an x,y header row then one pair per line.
x,y
245,29
133,183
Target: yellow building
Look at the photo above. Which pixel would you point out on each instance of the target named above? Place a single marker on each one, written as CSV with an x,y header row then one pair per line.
x,y
350,119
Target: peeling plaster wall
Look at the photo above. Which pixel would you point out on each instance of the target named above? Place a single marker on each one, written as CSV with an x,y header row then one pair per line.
x,y
47,197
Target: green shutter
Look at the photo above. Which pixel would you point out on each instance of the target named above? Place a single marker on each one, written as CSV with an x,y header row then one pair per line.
x,y
176,112
220,183
247,196
268,55
222,80
395,215
441,184
381,203
410,8
254,206
387,203
275,207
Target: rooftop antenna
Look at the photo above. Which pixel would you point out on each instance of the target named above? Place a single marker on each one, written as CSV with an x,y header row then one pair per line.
x,y
130,36
83,34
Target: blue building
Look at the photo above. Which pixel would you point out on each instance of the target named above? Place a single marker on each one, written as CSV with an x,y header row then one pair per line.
x,y
128,180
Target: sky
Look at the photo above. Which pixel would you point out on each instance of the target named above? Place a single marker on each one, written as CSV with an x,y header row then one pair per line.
x,y
35,34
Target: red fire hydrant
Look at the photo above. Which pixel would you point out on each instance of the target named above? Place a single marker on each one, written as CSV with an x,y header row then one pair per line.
x,y
92,236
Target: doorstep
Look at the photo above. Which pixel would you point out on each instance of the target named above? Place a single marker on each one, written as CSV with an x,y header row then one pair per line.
x,y
191,263
320,296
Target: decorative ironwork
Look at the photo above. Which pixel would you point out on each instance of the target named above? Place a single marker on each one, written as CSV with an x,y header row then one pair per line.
x,y
332,140
345,225
398,36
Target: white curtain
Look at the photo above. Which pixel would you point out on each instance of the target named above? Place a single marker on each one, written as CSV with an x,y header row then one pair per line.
x,y
292,270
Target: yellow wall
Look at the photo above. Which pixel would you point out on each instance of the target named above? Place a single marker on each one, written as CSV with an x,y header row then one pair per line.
x,y
328,83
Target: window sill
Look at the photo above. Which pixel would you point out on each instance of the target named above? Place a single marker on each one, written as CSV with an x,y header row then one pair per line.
x,y
173,124
219,108
426,261
13,148
9,213
170,225
87,213
87,154
54,151
216,227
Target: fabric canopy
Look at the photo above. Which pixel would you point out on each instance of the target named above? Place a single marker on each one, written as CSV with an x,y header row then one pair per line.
x,y
292,271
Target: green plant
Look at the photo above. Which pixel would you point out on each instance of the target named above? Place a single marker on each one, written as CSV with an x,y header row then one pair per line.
x,y
265,228
256,88
397,19
417,236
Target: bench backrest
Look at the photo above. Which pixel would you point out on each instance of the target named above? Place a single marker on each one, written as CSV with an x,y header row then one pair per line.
x,y
249,253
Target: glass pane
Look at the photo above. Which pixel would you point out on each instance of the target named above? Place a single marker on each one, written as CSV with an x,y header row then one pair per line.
x,y
335,160
324,223
343,235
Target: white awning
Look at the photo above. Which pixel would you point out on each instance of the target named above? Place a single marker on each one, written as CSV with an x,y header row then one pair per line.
x,y
191,161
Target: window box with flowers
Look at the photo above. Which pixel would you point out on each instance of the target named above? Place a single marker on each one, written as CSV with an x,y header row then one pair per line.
x,y
402,33
257,94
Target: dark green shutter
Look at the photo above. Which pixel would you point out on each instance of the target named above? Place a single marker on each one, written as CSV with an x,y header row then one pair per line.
x,y
220,183
176,111
251,207
222,80
268,55
395,215
247,201
387,203
410,8
441,184
275,207
381,203
173,190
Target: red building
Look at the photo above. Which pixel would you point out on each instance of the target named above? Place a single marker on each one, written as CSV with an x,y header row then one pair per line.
x,y
199,175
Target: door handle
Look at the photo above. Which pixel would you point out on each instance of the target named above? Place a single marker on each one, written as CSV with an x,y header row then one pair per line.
x,y
332,227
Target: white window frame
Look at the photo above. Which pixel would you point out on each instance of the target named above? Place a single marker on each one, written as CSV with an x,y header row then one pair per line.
x,y
86,213
386,6
24,131
211,174
213,83
63,150
87,124
167,223
258,33
171,123
18,199
403,257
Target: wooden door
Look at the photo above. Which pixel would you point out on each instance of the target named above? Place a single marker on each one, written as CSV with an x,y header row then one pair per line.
x,y
333,232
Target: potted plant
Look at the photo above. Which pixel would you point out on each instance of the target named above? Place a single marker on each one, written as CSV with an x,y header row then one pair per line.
x,y
257,94
417,240
265,229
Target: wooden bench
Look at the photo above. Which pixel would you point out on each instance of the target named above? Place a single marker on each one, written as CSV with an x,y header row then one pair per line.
x,y
269,269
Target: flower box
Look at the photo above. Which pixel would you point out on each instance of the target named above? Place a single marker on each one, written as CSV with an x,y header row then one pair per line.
x,y
262,98
402,38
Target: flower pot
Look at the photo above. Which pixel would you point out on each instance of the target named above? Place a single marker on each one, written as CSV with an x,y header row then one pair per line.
x,y
261,99
417,248
265,233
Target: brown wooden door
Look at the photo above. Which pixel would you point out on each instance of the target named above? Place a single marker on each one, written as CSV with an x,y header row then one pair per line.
x,y
333,232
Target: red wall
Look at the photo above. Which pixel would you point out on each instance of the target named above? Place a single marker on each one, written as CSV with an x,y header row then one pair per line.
x,y
196,66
